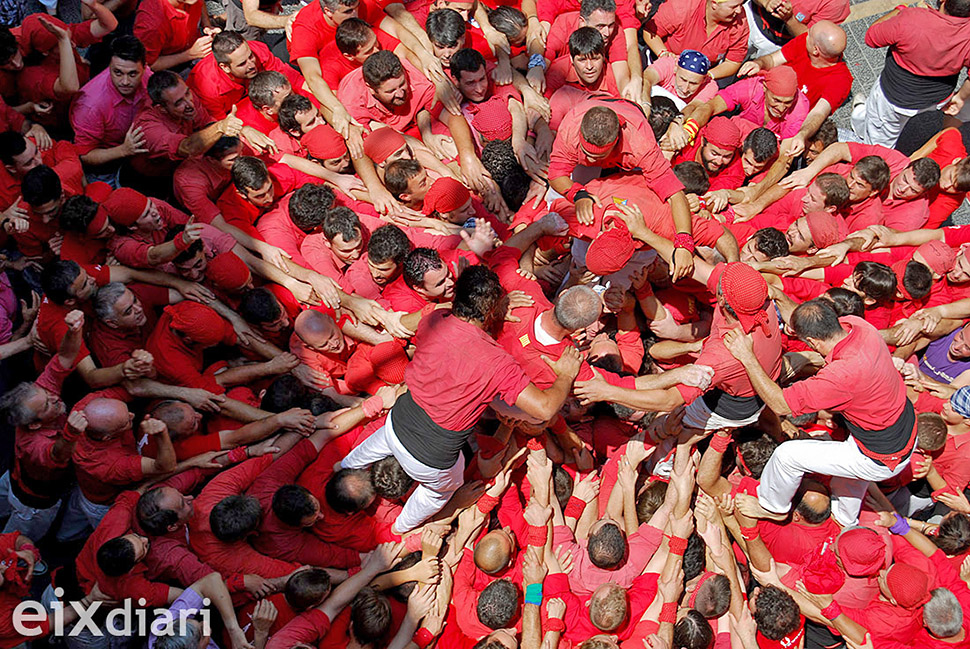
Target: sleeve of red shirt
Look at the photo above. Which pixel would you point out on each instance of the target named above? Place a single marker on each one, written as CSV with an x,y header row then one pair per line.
x,y
81,34
809,395
305,629
171,561
192,190
738,49
147,30
9,118
234,481
283,471
886,32
129,251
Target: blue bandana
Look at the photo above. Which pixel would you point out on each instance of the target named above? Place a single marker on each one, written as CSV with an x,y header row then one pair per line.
x,y
694,61
960,402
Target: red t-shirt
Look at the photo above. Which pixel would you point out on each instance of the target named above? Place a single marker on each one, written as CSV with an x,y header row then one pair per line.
x,y
832,83
311,31
949,148
682,24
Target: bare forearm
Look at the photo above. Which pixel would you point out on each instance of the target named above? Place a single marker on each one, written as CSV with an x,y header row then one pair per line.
x,y
769,391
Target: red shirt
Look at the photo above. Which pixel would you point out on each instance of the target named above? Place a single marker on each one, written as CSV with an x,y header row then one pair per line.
x,y
858,380
557,42
636,147
793,543
51,328
117,522
926,42
276,226
179,364
35,82
548,10
164,29
36,476
729,374
949,149
363,106
198,183
832,83
682,24
237,557
311,31
282,541
305,629
163,135
105,468
458,369
217,90
63,159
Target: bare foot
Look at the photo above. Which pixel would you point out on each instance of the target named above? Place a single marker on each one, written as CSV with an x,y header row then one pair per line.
x,y
750,507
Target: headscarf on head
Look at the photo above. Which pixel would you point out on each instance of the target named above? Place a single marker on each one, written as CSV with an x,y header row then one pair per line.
x,y
940,257
493,119
445,195
610,250
781,81
199,322
324,143
125,206
722,133
746,292
227,272
826,228
694,61
381,143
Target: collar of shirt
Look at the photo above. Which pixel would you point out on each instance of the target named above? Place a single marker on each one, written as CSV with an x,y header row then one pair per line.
x,y
541,335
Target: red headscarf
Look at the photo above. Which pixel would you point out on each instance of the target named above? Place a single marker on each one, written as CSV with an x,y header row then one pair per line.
x,y
746,292
125,206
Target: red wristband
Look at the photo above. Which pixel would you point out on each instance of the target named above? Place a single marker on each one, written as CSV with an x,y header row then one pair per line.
x,y
832,611
668,613
943,490
677,546
749,533
487,503
574,508
372,407
180,243
236,583
555,625
423,638
719,444
643,292
571,192
237,454
686,241
535,444
536,535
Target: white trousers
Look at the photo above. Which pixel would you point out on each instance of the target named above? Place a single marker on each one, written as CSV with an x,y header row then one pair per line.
x,y
435,486
879,121
851,472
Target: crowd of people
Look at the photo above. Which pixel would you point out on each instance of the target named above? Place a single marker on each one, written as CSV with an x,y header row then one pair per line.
x,y
538,324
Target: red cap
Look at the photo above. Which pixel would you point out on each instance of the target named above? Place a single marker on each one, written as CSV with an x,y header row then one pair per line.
x,y
940,257
98,191
722,133
746,292
389,361
199,322
908,585
826,228
781,81
324,143
227,272
493,119
900,269
97,223
610,250
445,195
861,550
381,143
125,206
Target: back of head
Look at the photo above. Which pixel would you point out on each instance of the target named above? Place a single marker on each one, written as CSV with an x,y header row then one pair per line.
x,y
813,502
151,516
116,557
12,144
562,482
248,172
846,302
292,504
419,262
876,280
762,143
398,173
930,431
756,451
508,20
713,597
477,293
390,480
650,500
771,242
953,536
309,206
693,176
40,185
943,615
388,243
578,307
307,588
498,604
827,133
283,393
816,319
349,491
57,278
77,213
607,546
600,126
351,35
264,86
776,613
259,306
833,188
225,43
693,631
343,221
695,557
370,616
160,82
235,517
917,280
663,111
445,27
927,172
608,608
492,552
957,8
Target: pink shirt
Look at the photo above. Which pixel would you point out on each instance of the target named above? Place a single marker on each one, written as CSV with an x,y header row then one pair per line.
x,y
277,227
682,24
364,107
163,135
586,577
666,68
101,117
749,96
199,182
320,257
557,43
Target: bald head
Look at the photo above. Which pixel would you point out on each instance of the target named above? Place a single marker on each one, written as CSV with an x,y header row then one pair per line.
x,y
107,417
314,328
828,37
493,552
578,308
